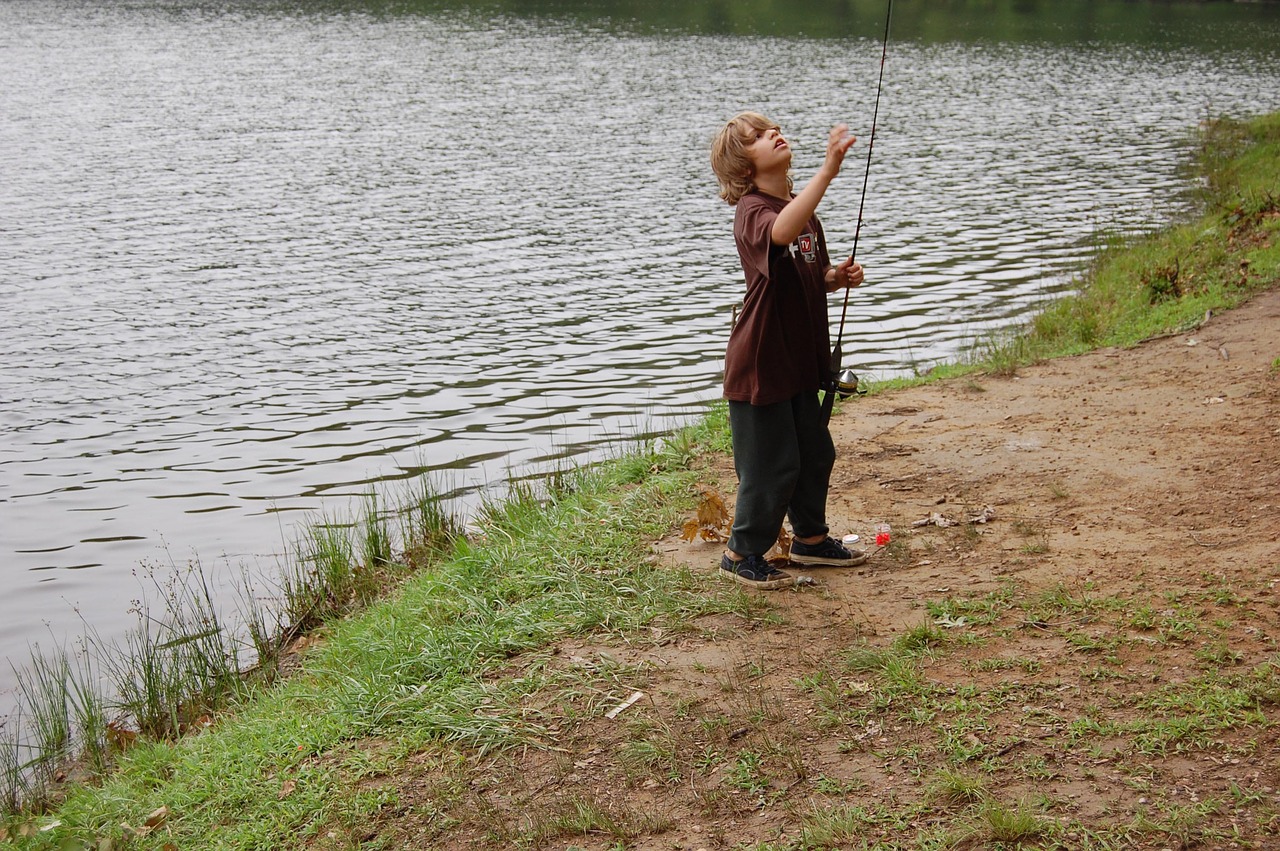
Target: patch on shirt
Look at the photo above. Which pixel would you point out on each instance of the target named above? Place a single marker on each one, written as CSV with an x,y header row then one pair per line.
x,y
807,246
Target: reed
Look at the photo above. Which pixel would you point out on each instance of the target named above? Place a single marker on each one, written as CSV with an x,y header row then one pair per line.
x,y
18,782
178,662
28,764
62,719
90,715
429,531
324,580
44,688
263,626
375,540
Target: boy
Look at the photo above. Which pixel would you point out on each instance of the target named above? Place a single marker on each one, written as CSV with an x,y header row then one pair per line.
x,y
779,351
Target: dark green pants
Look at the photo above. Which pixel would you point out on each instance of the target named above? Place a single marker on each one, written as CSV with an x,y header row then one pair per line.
x,y
783,455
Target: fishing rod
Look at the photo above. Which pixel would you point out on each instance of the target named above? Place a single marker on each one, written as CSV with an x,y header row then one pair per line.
x,y
839,381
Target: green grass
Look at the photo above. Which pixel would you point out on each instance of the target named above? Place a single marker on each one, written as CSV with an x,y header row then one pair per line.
x,y
956,728
950,786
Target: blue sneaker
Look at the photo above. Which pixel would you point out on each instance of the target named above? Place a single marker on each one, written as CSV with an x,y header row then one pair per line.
x,y
755,572
828,552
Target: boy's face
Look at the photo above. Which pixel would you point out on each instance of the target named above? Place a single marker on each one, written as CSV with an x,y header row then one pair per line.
x,y
769,153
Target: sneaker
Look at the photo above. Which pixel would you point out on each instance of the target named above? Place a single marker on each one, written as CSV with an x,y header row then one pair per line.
x,y
829,552
755,572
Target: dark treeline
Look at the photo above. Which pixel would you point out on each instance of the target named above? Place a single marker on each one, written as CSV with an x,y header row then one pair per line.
x,y
1149,22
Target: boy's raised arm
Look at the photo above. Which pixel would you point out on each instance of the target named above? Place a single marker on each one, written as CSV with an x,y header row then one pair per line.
x,y
795,216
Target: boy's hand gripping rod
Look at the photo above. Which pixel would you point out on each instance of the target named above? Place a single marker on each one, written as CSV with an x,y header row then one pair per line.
x,y
833,379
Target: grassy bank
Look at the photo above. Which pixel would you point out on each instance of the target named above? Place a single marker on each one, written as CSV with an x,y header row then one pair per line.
x,y
455,669
422,668
1168,282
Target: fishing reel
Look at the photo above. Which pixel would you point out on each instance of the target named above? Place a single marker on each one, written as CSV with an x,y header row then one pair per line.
x,y
847,385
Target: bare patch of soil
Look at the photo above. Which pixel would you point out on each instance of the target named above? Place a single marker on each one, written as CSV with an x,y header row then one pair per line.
x,y
1095,666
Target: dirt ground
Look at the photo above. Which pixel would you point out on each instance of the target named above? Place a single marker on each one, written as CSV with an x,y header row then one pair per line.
x,y
1093,665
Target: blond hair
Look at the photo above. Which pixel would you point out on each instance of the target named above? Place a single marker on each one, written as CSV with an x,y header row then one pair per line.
x,y
729,158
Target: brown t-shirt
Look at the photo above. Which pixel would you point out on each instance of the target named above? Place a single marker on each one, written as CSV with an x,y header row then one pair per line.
x,y
781,346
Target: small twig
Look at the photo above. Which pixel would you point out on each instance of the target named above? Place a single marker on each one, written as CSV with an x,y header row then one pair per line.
x,y
1199,542
1045,625
614,712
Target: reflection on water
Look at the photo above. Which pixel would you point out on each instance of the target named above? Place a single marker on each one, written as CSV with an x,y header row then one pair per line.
x,y
256,262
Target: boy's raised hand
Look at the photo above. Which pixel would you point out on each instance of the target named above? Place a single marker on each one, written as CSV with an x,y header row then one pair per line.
x,y
839,141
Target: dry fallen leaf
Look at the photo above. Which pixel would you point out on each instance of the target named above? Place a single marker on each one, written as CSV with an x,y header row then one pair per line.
x,y
781,548
157,817
711,522
286,789
119,736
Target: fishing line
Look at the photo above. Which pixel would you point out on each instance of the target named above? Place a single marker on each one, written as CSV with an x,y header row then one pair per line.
x,y
836,354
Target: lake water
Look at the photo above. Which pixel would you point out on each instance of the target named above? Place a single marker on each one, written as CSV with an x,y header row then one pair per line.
x,y
257,259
